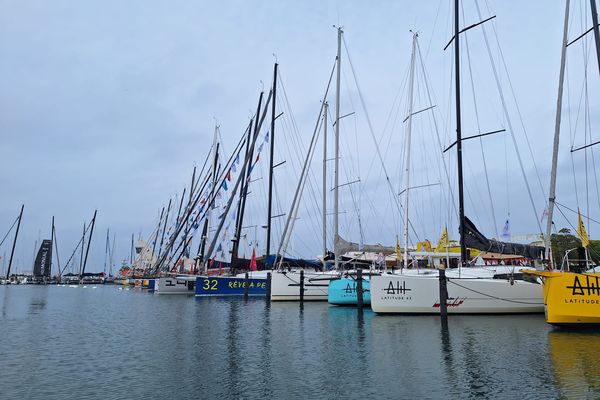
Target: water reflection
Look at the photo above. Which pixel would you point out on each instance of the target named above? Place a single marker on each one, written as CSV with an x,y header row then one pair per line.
x,y
576,363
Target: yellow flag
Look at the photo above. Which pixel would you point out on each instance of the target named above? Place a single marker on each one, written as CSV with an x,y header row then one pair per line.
x,y
585,242
397,249
443,242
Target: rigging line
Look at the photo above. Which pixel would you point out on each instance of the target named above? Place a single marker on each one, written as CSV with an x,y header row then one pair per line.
x,y
489,295
437,132
574,228
310,175
485,169
514,97
512,133
9,230
575,212
286,234
371,127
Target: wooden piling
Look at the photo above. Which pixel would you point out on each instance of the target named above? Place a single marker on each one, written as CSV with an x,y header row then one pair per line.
x,y
443,294
268,286
359,288
302,286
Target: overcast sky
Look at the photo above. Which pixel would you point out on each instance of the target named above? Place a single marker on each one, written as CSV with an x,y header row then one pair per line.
x,y
108,105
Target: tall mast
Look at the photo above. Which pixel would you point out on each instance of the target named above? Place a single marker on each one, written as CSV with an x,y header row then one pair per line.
x,y
52,242
325,112
81,252
461,199
561,78
337,151
12,252
271,154
87,250
596,30
131,252
204,237
408,139
155,236
244,192
162,236
238,225
106,249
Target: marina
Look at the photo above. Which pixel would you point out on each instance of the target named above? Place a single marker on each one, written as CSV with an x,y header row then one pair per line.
x,y
237,348
400,201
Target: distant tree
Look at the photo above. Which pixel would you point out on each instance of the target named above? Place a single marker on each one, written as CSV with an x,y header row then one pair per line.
x,y
594,251
561,243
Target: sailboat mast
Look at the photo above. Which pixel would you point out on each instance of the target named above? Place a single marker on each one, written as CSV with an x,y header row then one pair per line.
x,y
408,140
81,252
238,226
87,250
12,251
155,236
272,150
552,192
246,183
205,228
162,236
106,249
337,151
325,112
461,199
596,29
51,243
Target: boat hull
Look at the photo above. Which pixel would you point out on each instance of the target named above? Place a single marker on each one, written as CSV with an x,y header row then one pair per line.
x,y
571,299
416,294
285,285
175,285
207,286
342,292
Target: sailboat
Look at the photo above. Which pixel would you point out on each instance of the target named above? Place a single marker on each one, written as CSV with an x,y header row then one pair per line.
x,y
571,298
297,279
470,290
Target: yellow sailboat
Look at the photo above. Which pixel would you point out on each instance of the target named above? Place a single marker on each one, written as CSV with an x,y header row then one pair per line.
x,y
571,298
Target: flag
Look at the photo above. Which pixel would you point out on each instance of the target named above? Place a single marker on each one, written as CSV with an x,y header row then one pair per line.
x,y
229,175
544,214
220,248
397,250
443,242
267,137
233,168
585,242
253,261
506,232
257,157
237,158
224,185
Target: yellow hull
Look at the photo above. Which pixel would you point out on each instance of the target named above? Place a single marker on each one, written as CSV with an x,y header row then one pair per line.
x,y
570,298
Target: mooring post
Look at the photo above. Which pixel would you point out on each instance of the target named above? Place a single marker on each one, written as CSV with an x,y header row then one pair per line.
x,y
359,288
301,286
246,285
268,286
443,294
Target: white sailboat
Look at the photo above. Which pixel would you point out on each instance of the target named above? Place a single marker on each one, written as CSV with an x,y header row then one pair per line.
x,y
470,290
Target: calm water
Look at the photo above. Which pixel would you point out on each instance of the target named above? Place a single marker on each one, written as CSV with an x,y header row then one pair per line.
x,y
106,343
